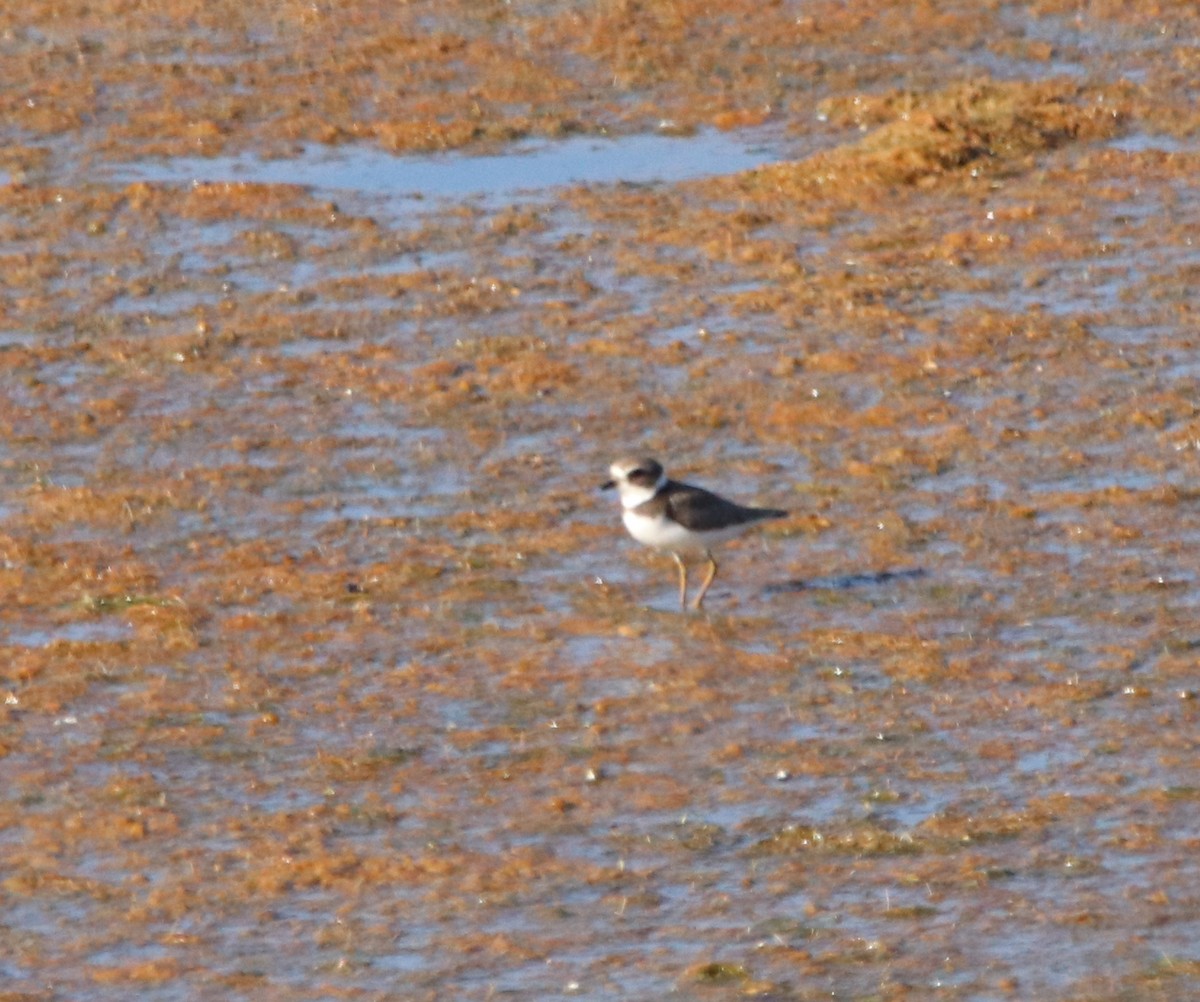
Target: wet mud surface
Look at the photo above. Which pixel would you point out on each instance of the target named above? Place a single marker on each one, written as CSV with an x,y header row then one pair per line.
x,y
325,672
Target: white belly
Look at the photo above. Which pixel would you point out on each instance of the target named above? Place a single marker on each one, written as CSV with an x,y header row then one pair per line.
x,y
664,534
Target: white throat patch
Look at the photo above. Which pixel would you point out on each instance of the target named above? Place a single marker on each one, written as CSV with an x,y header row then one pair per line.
x,y
633,495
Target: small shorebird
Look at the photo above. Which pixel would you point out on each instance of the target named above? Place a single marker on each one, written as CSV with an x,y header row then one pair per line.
x,y
679,518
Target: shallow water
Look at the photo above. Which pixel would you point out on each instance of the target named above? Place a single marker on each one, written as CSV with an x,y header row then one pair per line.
x,y
329,673
523,168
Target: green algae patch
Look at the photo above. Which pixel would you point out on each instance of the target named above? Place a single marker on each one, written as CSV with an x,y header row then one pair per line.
x,y
917,139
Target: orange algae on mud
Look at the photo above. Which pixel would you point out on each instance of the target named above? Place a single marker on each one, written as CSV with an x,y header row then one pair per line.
x,y
322,663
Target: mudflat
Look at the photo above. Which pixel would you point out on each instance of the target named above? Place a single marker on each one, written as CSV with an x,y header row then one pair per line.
x,y
326,673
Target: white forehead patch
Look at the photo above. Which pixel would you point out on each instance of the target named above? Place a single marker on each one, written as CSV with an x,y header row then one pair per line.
x,y
623,467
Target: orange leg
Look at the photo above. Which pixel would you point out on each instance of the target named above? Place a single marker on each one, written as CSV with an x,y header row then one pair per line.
x,y
682,581
712,573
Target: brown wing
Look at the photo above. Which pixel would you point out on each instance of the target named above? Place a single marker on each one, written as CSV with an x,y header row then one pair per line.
x,y
703,510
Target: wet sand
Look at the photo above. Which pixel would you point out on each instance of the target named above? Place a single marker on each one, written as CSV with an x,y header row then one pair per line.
x,y
325,672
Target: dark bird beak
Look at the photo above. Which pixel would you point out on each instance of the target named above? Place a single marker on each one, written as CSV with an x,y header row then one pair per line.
x,y
608,485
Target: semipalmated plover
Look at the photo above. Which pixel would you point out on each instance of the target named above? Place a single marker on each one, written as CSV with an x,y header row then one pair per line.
x,y
679,518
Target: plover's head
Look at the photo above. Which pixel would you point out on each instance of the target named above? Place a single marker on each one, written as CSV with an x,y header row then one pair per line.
x,y
636,480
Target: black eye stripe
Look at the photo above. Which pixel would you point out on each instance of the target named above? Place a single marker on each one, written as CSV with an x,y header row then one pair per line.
x,y
644,473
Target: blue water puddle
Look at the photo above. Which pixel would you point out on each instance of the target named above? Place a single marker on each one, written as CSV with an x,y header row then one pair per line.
x,y
19,339
81,632
1142,142
531,166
